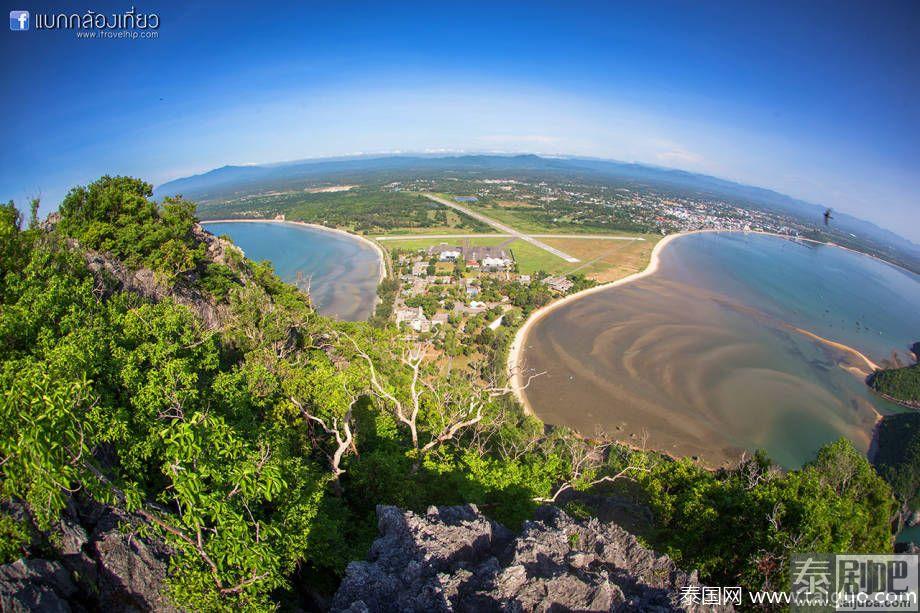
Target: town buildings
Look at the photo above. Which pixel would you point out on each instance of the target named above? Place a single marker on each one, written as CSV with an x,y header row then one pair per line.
x,y
484,257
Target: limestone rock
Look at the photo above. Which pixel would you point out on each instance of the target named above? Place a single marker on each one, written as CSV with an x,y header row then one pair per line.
x,y
100,563
35,585
456,559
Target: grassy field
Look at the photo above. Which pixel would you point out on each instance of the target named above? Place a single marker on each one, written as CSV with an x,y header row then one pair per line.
x,y
531,259
606,260
521,219
444,268
602,260
528,219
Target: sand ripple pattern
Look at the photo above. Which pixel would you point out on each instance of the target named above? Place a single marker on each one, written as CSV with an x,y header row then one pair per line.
x,y
695,372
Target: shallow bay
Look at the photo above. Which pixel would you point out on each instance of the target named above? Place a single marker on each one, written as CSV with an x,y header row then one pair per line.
x,y
342,272
707,357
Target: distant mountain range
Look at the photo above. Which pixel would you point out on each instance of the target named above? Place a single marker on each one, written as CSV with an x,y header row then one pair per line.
x,y
230,182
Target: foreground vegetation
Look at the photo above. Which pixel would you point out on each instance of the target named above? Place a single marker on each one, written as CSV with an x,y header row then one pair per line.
x,y
901,384
256,437
898,457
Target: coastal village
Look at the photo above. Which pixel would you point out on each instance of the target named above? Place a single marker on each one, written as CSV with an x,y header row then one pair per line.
x,y
454,291
628,208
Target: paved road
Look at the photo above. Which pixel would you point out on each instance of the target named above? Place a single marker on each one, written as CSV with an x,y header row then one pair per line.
x,y
502,227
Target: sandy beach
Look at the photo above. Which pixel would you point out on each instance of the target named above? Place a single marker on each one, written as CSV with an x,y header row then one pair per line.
x,y
380,255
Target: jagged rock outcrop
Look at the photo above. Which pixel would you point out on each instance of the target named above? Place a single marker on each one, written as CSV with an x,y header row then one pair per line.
x,y
96,561
35,585
455,559
111,275
217,248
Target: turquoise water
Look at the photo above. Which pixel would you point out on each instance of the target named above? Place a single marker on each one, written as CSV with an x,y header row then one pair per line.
x,y
837,294
706,357
909,535
342,271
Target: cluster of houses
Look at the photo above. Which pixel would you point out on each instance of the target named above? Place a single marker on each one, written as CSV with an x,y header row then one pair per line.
x,y
418,280
483,258
459,295
415,318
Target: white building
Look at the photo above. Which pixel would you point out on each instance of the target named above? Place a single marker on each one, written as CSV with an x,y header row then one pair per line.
x,y
498,263
414,318
488,258
445,252
559,284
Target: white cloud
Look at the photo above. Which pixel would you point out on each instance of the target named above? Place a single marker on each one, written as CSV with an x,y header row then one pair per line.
x,y
677,156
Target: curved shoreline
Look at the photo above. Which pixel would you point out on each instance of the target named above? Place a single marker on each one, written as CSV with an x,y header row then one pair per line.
x,y
515,375
381,257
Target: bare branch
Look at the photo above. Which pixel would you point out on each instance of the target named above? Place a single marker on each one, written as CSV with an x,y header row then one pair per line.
x,y
342,433
586,457
495,391
239,587
451,430
412,358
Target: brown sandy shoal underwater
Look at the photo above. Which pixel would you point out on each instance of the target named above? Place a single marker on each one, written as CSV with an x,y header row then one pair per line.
x,y
699,375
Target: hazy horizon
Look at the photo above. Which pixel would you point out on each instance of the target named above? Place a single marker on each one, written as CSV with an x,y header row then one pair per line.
x,y
460,154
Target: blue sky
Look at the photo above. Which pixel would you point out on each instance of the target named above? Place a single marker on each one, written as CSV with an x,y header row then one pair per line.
x,y
819,100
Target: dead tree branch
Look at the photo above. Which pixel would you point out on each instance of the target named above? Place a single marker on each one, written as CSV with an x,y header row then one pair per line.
x,y
340,431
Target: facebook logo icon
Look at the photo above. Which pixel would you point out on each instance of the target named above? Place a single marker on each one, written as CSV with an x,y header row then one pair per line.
x,y
19,20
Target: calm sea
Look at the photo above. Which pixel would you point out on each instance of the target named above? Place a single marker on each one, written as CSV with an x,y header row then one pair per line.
x,y
706,358
342,272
